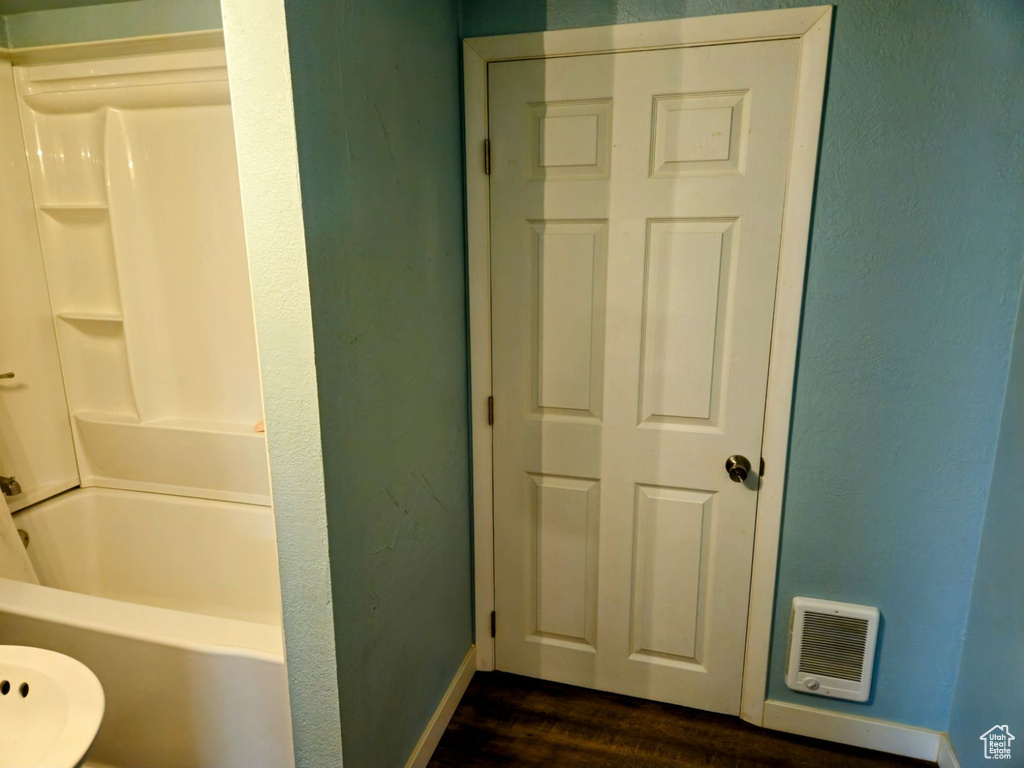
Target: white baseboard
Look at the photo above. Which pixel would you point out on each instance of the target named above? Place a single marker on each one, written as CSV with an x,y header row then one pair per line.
x,y
442,716
947,757
853,730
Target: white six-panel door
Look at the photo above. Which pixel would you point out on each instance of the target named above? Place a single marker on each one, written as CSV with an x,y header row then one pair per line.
x,y
637,203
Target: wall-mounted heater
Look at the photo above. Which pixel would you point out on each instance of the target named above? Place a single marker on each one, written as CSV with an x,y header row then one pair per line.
x,y
832,648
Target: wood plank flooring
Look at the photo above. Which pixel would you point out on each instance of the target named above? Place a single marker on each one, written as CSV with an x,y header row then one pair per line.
x,y
505,720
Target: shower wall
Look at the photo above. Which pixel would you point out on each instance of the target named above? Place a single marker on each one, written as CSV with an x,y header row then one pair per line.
x,y
35,430
135,181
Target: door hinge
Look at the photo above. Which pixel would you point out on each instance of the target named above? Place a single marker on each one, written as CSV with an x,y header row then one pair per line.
x,y
487,156
490,411
494,624
761,471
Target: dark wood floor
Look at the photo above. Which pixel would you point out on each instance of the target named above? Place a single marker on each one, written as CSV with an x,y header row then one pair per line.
x,y
505,720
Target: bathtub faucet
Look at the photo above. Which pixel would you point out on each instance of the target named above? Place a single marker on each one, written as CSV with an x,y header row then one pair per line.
x,y
10,486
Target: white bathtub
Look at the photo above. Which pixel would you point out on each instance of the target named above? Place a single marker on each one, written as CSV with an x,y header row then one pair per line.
x,y
174,603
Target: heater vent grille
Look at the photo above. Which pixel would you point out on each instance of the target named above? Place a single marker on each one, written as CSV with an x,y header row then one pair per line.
x,y
832,648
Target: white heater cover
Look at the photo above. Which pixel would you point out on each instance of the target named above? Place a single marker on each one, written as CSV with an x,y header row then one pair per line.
x,y
832,648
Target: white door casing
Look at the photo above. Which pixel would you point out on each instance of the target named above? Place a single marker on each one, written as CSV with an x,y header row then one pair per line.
x,y
809,29
637,204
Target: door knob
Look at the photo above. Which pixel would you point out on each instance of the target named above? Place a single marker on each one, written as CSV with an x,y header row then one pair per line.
x,y
738,468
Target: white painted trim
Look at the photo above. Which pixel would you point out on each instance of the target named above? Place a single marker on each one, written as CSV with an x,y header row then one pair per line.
x,y
865,732
813,25
479,249
106,49
646,35
259,73
803,162
443,714
947,756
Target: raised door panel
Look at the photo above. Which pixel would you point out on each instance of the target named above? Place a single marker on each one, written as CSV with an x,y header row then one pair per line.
x,y
569,140
565,529
699,134
671,537
685,298
568,263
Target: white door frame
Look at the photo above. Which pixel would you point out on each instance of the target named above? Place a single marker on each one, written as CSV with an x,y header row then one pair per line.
x,y
813,26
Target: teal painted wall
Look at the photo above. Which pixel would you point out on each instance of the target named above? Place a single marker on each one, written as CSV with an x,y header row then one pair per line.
x,y
989,688
24,6
109,21
376,88
913,280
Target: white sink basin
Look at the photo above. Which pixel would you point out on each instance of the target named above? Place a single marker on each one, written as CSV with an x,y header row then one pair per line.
x,y
51,707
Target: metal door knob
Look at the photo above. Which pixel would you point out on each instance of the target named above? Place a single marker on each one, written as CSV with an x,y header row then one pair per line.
x,y
738,468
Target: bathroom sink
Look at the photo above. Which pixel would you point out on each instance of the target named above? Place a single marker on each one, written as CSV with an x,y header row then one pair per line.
x,y
51,707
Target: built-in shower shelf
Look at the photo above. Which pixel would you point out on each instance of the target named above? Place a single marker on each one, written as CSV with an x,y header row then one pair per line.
x,y
203,425
70,209
81,318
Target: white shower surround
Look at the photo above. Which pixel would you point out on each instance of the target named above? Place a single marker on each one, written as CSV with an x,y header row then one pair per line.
x,y
133,169
173,601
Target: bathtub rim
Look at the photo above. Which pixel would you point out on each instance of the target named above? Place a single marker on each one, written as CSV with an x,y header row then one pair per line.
x,y
145,623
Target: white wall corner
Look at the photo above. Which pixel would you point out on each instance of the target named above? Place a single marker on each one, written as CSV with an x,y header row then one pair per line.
x,y
853,730
259,73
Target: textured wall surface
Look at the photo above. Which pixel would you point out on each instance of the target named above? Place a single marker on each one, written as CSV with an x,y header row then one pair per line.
x,y
989,689
261,94
913,281
80,22
376,89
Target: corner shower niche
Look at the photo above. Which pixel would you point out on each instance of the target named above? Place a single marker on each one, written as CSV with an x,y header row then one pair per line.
x,y
135,181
